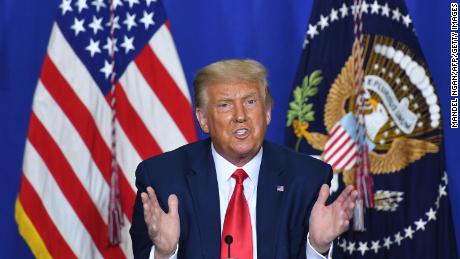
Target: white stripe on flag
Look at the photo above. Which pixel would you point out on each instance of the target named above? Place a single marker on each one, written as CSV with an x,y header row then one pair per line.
x,y
152,112
334,137
78,77
163,46
127,157
336,157
336,146
71,144
59,210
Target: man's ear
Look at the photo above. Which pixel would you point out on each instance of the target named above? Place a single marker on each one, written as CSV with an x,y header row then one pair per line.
x,y
201,117
268,115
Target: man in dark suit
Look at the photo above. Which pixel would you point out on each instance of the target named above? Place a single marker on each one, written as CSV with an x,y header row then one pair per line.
x,y
235,185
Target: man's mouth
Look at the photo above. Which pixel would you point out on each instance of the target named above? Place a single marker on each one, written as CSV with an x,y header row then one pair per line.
x,y
241,133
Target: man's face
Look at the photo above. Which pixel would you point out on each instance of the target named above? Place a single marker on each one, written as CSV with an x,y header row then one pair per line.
x,y
236,117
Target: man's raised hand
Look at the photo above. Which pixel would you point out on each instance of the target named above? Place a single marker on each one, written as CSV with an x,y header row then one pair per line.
x,y
328,222
163,228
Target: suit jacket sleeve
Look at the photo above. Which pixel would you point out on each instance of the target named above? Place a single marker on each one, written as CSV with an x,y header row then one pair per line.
x,y
141,242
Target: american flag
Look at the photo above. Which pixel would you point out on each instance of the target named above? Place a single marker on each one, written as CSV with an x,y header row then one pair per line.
x,y
111,83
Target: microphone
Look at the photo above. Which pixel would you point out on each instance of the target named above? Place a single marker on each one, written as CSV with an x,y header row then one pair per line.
x,y
228,241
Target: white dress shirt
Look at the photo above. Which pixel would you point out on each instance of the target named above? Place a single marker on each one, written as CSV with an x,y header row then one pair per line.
x,y
226,184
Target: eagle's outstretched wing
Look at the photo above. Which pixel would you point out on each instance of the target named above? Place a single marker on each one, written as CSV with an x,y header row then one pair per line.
x,y
402,152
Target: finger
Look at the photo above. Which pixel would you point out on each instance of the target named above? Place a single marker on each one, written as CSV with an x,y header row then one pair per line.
x,y
345,194
323,194
153,197
173,204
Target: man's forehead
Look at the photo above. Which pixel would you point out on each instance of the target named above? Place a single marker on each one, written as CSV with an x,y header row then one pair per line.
x,y
234,88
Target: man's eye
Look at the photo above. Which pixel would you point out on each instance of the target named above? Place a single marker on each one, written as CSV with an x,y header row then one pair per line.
x,y
223,105
251,101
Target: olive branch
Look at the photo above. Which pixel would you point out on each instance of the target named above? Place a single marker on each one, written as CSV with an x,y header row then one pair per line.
x,y
300,111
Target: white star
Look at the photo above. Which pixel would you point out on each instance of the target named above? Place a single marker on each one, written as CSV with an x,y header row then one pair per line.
x,y
98,4
65,6
81,4
363,247
343,10
96,24
375,7
444,178
351,247
364,7
305,42
375,246
408,232
353,9
130,21
78,26
312,31
117,3
132,2
110,46
323,22
438,199
334,15
442,190
93,47
396,15
386,10
147,19
431,214
387,242
116,24
128,44
420,224
406,20
107,69
343,244
398,238
148,2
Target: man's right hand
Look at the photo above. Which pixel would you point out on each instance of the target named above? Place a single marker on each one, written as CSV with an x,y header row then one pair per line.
x,y
164,229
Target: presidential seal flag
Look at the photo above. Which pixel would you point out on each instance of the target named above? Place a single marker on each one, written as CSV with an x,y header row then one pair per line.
x,y
110,94
362,68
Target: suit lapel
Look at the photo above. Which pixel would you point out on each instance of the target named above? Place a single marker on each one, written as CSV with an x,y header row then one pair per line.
x,y
202,182
268,202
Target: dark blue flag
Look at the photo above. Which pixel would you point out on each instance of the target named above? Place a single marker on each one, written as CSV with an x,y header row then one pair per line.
x,y
410,215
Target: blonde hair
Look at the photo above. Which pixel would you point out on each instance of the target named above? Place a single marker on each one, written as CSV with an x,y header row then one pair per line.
x,y
231,71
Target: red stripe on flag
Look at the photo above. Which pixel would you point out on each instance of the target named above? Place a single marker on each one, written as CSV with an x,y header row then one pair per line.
x,y
84,123
344,154
339,148
79,116
349,160
36,212
167,91
71,187
134,126
335,141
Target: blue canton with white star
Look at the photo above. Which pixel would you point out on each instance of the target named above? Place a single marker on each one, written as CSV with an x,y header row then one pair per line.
x,y
86,25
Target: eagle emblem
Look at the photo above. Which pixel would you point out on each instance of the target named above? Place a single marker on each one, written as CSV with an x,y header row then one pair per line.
x,y
402,111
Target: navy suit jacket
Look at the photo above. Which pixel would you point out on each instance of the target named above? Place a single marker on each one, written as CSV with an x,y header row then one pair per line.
x,y
189,172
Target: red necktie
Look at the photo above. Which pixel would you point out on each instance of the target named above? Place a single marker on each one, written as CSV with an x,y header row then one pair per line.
x,y
237,222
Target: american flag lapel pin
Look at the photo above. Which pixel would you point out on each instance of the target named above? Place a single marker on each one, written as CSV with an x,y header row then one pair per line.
x,y
280,188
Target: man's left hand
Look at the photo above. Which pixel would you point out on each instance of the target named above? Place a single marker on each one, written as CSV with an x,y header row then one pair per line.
x,y
328,222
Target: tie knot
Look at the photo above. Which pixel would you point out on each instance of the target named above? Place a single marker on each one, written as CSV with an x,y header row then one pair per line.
x,y
239,176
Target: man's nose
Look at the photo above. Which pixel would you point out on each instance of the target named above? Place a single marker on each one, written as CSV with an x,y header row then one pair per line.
x,y
240,113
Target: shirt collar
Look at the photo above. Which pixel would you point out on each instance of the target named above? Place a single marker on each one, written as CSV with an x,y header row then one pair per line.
x,y
225,169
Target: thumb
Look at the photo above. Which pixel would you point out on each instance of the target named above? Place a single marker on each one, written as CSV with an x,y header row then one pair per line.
x,y
323,194
173,204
